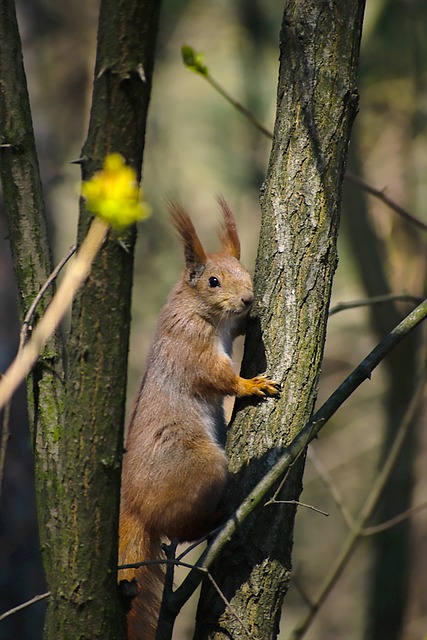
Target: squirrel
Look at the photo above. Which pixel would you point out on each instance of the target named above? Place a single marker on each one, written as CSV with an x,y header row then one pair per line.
x,y
174,467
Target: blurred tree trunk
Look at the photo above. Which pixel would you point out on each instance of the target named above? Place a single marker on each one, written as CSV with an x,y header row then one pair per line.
x,y
388,597
316,105
78,421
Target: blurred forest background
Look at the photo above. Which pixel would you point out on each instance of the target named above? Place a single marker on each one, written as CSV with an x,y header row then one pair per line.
x,y
197,146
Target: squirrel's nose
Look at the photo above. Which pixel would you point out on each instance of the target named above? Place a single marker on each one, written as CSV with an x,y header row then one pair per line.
x,y
248,299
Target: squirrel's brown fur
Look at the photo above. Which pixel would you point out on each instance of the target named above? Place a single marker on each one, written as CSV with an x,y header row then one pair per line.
x,y
175,470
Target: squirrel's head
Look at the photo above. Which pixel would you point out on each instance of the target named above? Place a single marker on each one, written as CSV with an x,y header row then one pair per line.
x,y
220,285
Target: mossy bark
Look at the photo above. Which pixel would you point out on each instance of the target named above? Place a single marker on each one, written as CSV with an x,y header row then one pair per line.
x,y
300,200
32,262
78,421
84,602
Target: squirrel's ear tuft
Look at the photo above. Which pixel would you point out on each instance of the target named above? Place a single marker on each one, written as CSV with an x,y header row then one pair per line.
x,y
195,255
230,242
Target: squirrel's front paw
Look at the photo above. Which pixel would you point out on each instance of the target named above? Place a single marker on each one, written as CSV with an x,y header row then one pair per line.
x,y
261,386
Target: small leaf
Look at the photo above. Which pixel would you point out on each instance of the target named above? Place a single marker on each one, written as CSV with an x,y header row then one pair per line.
x,y
193,60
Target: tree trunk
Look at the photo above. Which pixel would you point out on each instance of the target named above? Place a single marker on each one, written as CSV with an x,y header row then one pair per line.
x,y
78,439
317,102
85,601
32,263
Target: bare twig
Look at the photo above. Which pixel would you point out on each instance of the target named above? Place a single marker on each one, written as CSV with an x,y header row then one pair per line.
x,y
201,540
190,547
295,583
297,502
144,563
5,435
307,433
230,607
238,106
176,562
367,302
333,489
366,512
170,561
30,313
349,177
283,481
388,524
54,313
380,194
24,605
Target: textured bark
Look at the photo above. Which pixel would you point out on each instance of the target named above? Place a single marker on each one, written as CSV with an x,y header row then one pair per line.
x,y
78,466
25,213
317,103
84,601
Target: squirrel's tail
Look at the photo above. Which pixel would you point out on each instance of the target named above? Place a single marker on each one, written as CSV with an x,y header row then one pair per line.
x,y
135,545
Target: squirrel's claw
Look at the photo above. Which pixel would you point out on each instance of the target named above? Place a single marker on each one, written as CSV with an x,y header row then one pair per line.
x,y
261,386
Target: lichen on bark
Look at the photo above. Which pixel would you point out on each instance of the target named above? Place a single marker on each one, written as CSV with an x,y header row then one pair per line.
x,y
300,202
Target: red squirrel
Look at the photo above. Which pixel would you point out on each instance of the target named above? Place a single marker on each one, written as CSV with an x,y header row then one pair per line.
x,y
174,468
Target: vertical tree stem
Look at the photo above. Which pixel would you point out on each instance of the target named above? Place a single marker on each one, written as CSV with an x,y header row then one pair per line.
x,y
301,197
84,601
26,220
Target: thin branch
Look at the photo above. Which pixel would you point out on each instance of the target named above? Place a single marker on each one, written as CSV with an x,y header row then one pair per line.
x,y
229,606
172,562
283,481
190,548
177,562
24,605
238,106
366,512
54,313
388,524
330,485
367,302
380,194
29,316
295,583
297,502
147,563
349,177
308,432
196,543
185,552
5,435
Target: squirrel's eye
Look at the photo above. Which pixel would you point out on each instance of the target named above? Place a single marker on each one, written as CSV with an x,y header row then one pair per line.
x,y
214,282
